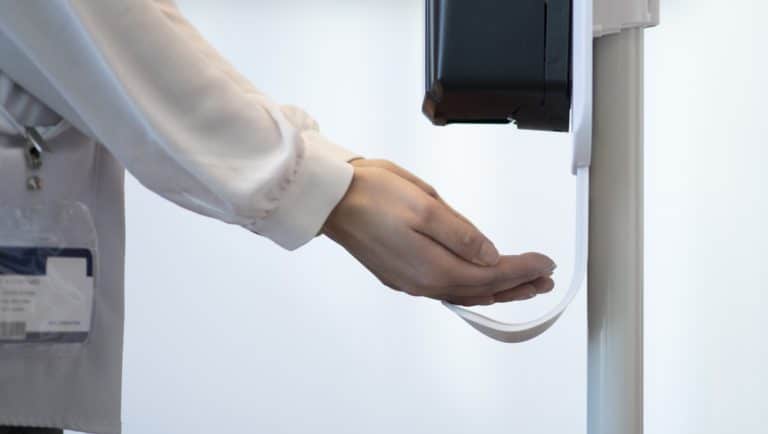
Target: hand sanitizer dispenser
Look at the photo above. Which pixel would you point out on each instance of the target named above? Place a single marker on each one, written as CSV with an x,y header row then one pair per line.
x,y
491,61
522,61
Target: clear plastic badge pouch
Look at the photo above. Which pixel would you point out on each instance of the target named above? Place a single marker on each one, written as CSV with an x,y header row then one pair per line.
x,y
48,272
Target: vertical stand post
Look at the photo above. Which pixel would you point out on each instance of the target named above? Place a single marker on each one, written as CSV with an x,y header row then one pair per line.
x,y
615,306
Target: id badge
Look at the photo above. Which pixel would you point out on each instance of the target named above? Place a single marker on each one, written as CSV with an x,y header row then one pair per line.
x,y
46,294
48,273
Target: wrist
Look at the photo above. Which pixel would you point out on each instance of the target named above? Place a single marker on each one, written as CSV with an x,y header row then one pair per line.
x,y
335,221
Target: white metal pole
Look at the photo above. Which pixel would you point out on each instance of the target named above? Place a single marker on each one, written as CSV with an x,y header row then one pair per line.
x,y
615,286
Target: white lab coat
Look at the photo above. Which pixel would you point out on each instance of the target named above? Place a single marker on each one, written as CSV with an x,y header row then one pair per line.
x,y
130,84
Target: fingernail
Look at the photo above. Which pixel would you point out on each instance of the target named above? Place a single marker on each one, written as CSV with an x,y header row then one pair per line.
x,y
488,254
551,268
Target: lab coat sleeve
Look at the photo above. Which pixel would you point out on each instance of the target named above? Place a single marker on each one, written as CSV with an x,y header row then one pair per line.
x,y
298,117
179,118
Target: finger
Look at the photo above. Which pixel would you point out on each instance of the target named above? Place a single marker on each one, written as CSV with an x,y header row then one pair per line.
x,y
453,210
458,236
526,291
523,292
486,300
538,285
436,272
544,284
458,278
512,271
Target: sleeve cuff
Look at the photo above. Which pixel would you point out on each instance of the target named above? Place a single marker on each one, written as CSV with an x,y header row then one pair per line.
x,y
321,182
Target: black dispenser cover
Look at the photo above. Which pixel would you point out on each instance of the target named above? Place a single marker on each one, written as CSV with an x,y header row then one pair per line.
x,y
494,61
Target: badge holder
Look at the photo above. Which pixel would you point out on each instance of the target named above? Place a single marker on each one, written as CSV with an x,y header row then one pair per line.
x,y
48,261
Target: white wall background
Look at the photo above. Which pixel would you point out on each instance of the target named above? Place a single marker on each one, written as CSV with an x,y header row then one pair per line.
x,y
228,333
706,210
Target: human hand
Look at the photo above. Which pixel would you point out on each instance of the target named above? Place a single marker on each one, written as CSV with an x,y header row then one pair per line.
x,y
399,228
